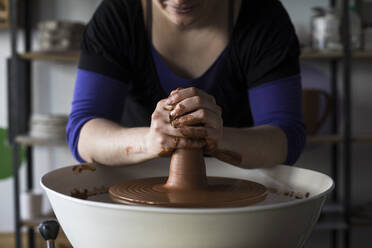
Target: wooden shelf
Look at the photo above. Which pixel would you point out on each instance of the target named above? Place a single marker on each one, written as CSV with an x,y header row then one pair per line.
x,y
51,56
307,55
362,215
74,56
363,55
35,141
4,25
327,139
332,208
334,139
335,222
320,55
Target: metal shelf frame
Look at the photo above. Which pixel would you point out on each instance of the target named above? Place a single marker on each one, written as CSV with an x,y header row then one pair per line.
x,y
20,99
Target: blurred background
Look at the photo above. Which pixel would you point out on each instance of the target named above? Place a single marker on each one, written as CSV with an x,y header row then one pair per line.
x,y
38,60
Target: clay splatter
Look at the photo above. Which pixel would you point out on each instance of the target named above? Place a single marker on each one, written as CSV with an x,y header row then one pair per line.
x,y
291,194
185,120
177,111
128,150
80,168
85,193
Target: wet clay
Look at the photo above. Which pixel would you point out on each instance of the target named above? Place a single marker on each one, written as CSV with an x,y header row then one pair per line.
x,y
291,194
188,186
166,152
185,120
196,133
128,150
176,113
85,193
80,168
168,107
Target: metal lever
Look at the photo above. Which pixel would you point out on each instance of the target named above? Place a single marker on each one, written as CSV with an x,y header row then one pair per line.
x,y
49,231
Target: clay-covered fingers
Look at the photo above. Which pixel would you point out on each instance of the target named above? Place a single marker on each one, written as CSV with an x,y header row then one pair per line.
x,y
178,95
162,111
169,144
200,117
192,104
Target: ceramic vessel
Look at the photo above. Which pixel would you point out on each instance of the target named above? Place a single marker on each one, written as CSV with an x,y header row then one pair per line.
x,y
279,221
314,114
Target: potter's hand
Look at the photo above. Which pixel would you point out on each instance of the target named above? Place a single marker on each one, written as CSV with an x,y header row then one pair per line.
x,y
162,138
196,115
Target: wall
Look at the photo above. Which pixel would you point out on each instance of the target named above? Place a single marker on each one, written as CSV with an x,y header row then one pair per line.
x,y
53,86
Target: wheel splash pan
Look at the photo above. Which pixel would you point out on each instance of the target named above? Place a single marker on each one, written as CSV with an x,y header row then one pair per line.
x,y
285,219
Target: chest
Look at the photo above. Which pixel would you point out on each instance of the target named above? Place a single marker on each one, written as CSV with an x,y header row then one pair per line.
x,y
190,57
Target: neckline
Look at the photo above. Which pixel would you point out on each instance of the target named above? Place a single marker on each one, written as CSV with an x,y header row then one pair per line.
x,y
154,51
158,85
157,57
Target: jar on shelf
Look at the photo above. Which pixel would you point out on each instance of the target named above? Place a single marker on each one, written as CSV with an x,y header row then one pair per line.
x,y
325,30
355,28
368,38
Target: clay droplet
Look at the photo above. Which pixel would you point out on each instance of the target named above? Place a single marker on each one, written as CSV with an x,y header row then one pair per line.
x,y
79,168
128,150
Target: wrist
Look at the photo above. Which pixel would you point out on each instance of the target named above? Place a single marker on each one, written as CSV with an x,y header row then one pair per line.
x,y
147,145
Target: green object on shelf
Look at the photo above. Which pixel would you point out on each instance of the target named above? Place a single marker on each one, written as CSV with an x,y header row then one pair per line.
x,y
6,155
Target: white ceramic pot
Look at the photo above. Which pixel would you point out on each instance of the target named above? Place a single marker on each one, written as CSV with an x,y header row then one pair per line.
x,y
279,221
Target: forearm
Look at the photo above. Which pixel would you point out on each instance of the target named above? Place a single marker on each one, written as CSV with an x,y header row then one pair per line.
x,y
255,147
105,142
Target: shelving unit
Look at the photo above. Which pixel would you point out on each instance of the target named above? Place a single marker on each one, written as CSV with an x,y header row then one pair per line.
x,y
4,25
27,140
51,56
311,55
336,214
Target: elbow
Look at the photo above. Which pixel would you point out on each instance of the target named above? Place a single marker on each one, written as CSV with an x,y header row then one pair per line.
x,y
296,140
73,130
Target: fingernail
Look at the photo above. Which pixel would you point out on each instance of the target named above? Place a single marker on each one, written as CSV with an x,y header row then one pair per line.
x,y
172,113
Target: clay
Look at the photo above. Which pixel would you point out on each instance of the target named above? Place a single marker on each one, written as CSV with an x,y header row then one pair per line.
x,y
176,140
85,193
185,120
168,107
211,144
176,112
128,150
291,194
166,152
80,168
193,132
175,91
188,186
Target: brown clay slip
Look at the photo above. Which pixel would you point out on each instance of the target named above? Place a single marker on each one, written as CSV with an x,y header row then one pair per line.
x,y
188,186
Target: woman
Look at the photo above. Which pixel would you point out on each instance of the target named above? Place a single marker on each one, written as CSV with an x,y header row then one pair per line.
x,y
158,75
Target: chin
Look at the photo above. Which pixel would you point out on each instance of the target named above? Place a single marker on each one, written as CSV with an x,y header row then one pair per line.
x,y
182,21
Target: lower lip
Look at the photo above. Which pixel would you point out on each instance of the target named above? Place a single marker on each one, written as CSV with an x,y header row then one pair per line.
x,y
181,11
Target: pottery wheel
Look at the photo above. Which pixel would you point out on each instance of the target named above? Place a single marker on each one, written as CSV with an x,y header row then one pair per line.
x,y
188,186
220,192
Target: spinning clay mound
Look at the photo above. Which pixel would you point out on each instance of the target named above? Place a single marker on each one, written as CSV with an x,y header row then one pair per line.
x,y
188,186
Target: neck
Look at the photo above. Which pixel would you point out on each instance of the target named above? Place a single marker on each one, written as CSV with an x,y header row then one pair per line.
x,y
211,17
